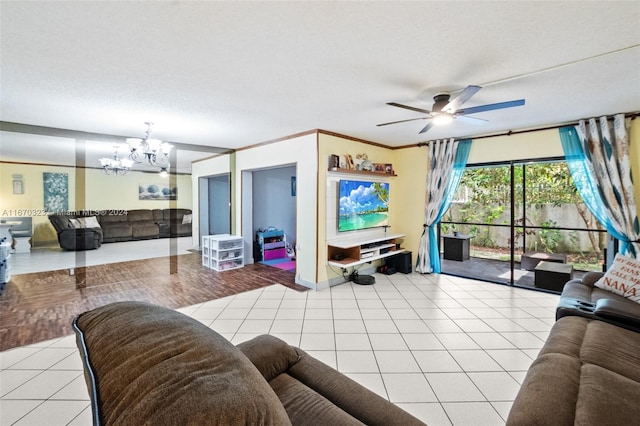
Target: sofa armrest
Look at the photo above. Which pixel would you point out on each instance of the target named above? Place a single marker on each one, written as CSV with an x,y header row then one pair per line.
x,y
590,278
351,397
270,355
628,313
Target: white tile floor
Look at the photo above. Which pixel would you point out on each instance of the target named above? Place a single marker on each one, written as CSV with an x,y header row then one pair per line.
x,y
451,351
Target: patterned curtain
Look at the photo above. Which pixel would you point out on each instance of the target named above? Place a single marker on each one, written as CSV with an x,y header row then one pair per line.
x,y
601,170
447,161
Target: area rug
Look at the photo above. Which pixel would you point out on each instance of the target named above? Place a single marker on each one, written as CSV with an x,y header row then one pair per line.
x,y
284,263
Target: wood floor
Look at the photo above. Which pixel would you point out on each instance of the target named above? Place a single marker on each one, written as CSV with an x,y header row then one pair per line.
x,y
40,306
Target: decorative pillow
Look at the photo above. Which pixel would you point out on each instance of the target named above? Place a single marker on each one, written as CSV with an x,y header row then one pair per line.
x,y
89,222
623,278
75,223
187,218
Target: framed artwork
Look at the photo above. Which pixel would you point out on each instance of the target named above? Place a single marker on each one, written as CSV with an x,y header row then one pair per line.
x,y
388,169
56,191
378,167
157,191
17,187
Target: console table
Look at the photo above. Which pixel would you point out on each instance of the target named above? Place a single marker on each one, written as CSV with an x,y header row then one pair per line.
x,y
355,251
456,247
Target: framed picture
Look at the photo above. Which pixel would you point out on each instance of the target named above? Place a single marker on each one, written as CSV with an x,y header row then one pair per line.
x,y
17,187
56,192
157,191
378,167
388,169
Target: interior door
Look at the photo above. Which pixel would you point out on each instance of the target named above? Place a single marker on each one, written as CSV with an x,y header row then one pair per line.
x,y
219,204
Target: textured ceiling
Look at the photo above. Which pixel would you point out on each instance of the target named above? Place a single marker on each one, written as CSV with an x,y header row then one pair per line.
x,y
232,74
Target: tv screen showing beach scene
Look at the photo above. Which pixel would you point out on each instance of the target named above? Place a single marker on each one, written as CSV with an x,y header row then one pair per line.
x,y
362,205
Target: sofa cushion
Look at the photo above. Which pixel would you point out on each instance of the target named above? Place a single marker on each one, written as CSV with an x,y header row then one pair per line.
x,y
145,230
117,232
622,278
114,216
88,222
138,215
175,214
157,215
586,373
146,364
61,222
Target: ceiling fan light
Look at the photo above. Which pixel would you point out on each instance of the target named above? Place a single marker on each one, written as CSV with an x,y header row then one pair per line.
x,y
442,119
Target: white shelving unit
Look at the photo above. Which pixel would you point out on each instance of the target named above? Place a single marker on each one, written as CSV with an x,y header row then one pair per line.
x,y
354,251
5,264
222,252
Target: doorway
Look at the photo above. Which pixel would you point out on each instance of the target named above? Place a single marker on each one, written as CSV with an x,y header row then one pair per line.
x,y
269,215
215,204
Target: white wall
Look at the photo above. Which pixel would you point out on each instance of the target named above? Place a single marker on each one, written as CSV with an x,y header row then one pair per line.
x,y
303,152
210,167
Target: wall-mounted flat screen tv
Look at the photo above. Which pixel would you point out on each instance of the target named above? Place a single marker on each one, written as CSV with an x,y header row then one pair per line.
x,y
362,205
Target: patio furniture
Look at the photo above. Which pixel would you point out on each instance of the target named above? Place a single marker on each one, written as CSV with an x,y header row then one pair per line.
x,y
530,259
552,275
456,247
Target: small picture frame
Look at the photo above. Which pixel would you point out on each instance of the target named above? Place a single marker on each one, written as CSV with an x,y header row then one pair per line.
x,y
18,188
378,167
388,169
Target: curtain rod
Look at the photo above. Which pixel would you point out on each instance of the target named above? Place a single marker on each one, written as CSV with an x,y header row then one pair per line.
x,y
631,115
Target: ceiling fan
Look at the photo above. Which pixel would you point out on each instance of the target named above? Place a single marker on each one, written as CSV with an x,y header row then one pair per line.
x,y
445,110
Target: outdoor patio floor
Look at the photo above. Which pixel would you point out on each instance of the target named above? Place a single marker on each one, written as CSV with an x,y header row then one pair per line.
x,y
493,271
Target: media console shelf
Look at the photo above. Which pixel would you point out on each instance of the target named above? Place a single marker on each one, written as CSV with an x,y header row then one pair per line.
x,y
355,251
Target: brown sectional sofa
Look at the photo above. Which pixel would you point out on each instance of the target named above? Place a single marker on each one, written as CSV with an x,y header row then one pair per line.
x,y
143,224
588,371
149,365
119,225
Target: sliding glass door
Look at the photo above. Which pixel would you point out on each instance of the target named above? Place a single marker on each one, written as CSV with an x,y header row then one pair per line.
x,y
512,216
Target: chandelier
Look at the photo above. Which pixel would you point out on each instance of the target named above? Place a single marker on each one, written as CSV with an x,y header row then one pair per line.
x,y
153,151
116,165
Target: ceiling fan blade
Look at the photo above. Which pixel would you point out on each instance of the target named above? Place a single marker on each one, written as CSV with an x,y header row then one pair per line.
x,y
471,120
424,111
491,107
463,97
402,121
425,128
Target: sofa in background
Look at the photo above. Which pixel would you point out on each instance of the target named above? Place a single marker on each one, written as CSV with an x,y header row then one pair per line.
x,y
73,238
588,371
120,225
149,365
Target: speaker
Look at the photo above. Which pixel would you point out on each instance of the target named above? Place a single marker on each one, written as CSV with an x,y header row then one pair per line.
x,y
401,262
